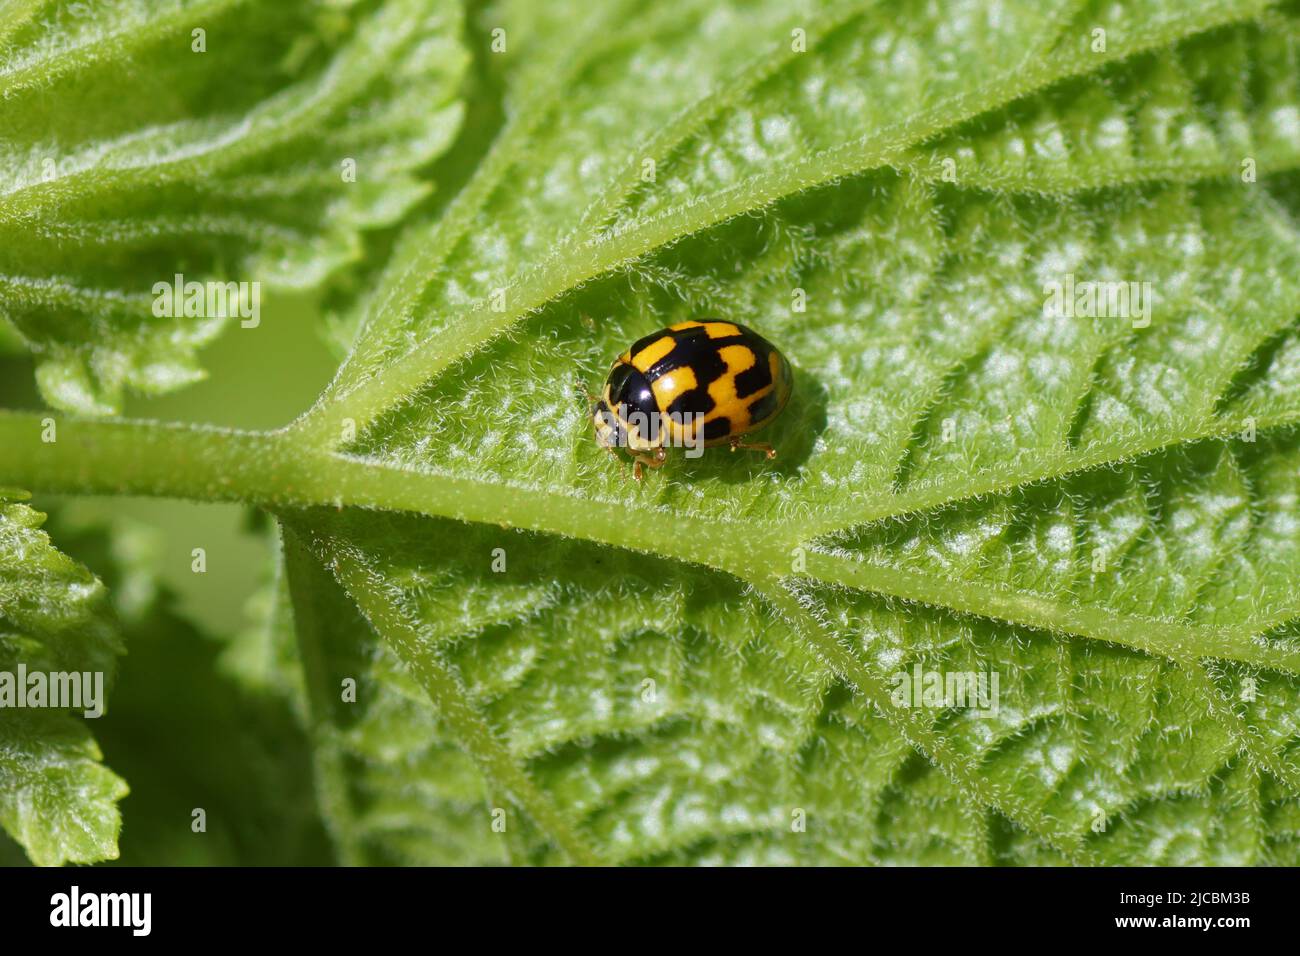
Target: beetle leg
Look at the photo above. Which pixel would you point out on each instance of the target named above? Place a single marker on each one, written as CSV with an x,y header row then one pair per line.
x,y
768,451
653,459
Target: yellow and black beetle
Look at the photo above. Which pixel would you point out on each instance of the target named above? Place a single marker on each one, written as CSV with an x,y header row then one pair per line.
x,y
695,385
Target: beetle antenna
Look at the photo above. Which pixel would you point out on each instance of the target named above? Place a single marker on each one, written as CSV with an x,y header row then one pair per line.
x,y
583,391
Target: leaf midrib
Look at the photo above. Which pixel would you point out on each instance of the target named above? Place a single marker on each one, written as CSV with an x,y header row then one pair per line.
x,y
277,471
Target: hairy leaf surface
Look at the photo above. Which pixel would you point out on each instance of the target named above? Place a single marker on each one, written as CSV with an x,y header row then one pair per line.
x,y
57,799
222,140
1085,516
968,483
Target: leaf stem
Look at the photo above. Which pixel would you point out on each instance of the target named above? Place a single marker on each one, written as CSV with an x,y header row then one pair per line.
x,y
272,470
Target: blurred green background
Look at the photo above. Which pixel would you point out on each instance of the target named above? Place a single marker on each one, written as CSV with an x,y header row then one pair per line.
x,y
179,729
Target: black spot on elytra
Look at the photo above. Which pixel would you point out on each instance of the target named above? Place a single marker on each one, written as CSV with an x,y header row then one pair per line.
x,y
699,356
718,428
762,408
696,401
758,376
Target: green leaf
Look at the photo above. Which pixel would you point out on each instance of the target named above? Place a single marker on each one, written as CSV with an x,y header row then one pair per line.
x,y
955,459
217,139
186,734
57,799
729,662
392,783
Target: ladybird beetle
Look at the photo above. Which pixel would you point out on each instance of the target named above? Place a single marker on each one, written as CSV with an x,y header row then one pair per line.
x,y
695,385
